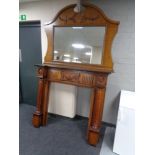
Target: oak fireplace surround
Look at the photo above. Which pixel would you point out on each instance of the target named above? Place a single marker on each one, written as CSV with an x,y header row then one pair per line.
x,y
82,73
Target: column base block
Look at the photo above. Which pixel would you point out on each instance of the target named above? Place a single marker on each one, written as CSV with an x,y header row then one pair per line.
x,y
36,120
93,137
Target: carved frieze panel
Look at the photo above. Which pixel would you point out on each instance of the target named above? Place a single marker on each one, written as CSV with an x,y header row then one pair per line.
x,y
79,78
86,78
54,74
71,76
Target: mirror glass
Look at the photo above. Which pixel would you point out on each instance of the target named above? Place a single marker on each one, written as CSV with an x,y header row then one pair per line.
x,y
79,44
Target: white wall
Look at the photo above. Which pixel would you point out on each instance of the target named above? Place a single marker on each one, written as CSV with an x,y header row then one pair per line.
x,y
123,50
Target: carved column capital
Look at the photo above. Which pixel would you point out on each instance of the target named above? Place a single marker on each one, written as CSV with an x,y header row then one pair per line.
x,y
42,72
101,80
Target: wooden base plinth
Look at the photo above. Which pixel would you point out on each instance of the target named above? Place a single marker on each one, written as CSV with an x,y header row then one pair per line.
x,y
36,120
93,137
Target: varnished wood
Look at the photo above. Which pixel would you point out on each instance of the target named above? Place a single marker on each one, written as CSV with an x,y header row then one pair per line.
x,y
76,66
91,110
91,16
96,116
86,78
45,102
96,80
83,75
37,116
77,77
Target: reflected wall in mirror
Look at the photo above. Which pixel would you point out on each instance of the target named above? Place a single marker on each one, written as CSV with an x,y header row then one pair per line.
x,y
79,44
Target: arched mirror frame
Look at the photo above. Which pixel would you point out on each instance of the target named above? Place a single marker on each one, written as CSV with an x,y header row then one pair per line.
x,y
91,16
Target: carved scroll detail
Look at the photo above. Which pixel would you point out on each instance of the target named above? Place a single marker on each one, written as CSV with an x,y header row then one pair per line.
x,y
75,18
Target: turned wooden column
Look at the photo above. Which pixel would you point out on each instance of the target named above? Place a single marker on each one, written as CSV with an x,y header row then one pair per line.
x,y
96,109
45,102
95,118
38,114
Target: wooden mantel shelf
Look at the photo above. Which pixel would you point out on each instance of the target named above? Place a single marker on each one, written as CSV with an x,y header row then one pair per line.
x,y
91,68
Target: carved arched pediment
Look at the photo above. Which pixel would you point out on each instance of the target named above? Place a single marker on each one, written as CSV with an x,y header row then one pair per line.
x,y
91,15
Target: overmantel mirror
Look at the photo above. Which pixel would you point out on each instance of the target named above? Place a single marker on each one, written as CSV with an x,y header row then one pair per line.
x,y
78,53
77,44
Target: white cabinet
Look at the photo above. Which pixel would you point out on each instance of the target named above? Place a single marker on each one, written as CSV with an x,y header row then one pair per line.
x,y
124,135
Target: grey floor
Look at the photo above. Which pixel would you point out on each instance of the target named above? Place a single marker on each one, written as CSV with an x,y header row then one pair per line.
x,y
62,136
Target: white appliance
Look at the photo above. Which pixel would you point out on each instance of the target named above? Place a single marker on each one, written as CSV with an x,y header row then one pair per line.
x,y
124,142
62,99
